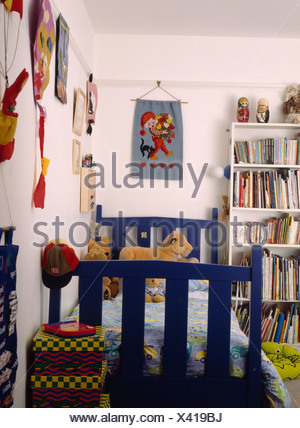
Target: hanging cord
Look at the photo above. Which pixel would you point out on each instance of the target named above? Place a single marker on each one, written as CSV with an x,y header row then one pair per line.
x,y
6,196
4,71
156,87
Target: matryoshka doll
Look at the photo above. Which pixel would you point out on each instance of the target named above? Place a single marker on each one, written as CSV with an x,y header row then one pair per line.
x,y
243,110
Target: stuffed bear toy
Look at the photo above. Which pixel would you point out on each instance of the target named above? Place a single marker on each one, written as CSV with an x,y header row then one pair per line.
x,y
175,247
103,246
98,254
155,290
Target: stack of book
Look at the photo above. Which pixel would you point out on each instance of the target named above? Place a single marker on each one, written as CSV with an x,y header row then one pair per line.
x,y
283,231
280,277
281,327
278,189
271,151
276,325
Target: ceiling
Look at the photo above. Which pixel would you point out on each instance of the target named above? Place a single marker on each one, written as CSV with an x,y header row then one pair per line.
x,y
212,18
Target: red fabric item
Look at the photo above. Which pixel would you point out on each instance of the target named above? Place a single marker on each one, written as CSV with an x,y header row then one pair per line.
x,y
6,151
40,190
39,193
14,6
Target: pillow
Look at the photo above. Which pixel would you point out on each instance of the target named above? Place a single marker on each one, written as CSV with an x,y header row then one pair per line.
x,y
198,284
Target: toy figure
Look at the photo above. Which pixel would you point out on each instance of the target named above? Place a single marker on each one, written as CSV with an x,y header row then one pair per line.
x,y
243,110
262,114
291,106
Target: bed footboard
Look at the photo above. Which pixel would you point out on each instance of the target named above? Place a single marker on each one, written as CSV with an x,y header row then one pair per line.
x,y
174,389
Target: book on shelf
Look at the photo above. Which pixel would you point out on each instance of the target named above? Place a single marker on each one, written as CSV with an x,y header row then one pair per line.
x,y
276,189
280,276
269,151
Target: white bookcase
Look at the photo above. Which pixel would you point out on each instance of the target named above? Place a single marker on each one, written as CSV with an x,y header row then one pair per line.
x,y
248,208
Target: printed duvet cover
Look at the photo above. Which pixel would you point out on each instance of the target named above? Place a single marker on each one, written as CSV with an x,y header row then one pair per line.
x,y
275,391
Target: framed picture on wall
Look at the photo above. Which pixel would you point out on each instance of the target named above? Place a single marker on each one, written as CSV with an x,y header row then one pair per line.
x,y
76,158
62,59
79,112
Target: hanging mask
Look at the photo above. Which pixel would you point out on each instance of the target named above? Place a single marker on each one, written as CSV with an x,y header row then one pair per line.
x,y
43,49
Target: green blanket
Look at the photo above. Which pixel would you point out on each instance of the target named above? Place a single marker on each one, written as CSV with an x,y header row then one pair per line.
x,y
285,358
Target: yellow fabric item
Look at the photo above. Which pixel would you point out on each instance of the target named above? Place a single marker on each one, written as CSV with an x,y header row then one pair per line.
x,y
8,126
45,164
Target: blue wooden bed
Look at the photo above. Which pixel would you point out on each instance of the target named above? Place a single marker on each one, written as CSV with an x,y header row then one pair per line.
x,y
131,387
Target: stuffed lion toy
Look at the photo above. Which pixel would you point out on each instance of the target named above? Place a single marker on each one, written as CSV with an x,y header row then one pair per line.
x,y
175,247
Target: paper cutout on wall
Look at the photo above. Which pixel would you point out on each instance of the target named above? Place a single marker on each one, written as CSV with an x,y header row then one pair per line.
x,y
42,53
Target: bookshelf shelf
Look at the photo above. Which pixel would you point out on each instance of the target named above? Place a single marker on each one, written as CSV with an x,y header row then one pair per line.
x,y
263,166
264,186
282,210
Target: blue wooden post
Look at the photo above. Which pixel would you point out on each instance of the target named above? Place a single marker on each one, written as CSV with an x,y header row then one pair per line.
x,y
254,360
176,312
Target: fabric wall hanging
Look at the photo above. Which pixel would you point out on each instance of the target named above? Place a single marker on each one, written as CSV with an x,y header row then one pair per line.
x,y
62,59
157,139
8,315
42,53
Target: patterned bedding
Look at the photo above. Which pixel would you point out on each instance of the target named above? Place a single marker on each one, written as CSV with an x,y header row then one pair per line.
x,y
275,391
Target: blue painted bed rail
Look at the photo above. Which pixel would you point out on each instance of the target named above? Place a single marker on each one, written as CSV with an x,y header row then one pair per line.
x,y
174,389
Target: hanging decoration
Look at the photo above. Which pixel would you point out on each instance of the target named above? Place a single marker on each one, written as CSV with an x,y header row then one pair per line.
x,y
42,53
158,138
8,316
62,59
14,6
8,117
91,105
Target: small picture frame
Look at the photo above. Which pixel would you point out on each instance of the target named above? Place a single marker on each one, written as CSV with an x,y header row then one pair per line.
x,y
76,158
79,112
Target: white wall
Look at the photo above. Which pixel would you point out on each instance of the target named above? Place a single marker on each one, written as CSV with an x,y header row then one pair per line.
x,y
62,187
126,67
210,74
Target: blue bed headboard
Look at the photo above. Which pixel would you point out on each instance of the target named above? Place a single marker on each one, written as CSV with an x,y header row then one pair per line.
x,y
143,230
143,225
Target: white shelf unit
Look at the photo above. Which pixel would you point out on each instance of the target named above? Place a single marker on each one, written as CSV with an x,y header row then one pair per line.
x,y
252,132
248,132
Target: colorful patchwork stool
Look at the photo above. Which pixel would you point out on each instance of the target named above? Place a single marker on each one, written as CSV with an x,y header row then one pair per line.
x,y
66,356
69,391
69,371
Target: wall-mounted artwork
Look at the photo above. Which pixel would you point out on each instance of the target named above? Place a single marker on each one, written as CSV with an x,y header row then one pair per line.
x,y
62,59
76,158
87,190
79,112
91,104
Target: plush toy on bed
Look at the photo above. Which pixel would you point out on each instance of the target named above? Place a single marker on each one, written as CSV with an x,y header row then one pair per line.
x,y
103,246
155,290
98,254
174,248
